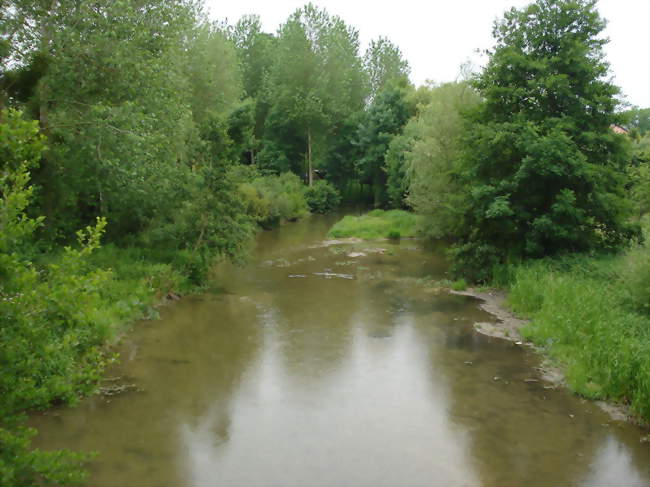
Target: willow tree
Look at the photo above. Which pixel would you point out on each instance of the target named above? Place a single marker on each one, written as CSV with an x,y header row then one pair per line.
x,y
433,158
544,170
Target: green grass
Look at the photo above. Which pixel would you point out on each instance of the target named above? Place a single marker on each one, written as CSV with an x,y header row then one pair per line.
x,y
459,285
393,224
135,281
590,314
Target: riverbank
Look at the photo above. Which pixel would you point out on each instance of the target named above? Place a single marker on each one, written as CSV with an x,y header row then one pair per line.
x,y
65,310
320,330
588,314
510,327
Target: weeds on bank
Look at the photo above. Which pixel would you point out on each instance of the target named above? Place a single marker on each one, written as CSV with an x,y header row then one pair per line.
x,y
393,224
591,314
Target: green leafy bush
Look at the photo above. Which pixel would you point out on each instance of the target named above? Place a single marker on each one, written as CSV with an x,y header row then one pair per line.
x,y
322,197
273,199
459,285
49,328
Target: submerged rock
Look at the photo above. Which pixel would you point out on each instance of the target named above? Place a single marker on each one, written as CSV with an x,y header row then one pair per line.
x,y
332,275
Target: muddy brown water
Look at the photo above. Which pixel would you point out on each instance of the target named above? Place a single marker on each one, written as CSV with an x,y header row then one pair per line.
x,y
313,368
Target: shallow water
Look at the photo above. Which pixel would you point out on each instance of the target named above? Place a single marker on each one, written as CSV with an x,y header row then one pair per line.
x,y
314,368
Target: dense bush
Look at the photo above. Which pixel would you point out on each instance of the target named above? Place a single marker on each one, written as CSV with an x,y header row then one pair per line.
x,y
57,310
50,331
273,199
640,190
322,197
433,160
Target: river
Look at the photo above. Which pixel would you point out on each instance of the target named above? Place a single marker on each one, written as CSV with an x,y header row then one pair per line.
x,y
325,364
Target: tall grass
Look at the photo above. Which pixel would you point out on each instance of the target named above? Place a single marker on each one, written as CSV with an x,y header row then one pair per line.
x,y
376,224
590,314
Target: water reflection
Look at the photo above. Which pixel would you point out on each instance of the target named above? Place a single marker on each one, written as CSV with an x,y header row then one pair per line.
x,y
321,380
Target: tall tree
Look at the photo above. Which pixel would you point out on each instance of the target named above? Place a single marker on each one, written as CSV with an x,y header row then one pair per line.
x,y
384,120
544,170
384,64
255,50
316,83
434,156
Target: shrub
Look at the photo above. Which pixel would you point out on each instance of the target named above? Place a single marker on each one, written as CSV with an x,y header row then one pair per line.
x,y
635,278
50,329
273,199
322,197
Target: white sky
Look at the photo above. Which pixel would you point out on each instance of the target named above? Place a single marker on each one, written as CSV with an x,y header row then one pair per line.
x,y
437,36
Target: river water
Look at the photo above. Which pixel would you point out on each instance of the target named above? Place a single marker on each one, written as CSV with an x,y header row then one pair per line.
x,y
324,364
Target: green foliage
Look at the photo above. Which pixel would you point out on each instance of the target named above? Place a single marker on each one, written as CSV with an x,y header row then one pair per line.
x,y
544,171
459,285
433,159
322,197
641,150
315,83
640,191
397,182
638,119
385,65
383,120
339,162
273,199
48,338
582,315
635,278
22,466
210,224
376,224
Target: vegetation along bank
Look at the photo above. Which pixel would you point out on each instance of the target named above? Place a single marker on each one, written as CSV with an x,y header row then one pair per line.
x,y
538,179
136,155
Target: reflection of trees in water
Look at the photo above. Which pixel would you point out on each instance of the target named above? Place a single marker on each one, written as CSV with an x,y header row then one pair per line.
x,y
314,323
520,432
206,367
188,365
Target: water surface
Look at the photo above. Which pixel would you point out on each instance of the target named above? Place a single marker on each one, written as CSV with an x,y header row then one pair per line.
x,y
312,367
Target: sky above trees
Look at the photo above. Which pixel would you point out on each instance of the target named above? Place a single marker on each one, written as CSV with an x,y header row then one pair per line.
x,y
437,37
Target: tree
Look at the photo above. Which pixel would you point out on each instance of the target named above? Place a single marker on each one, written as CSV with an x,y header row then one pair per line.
x,y
384,64
384,119
434,158
639,119
316,83
544,170
255,50
414,164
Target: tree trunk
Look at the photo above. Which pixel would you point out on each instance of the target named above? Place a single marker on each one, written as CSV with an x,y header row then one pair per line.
x,y
44,114
310,172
